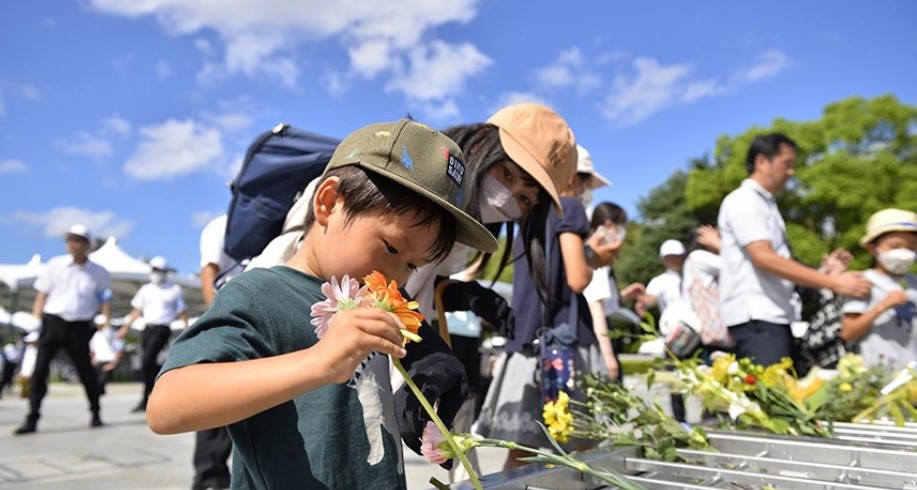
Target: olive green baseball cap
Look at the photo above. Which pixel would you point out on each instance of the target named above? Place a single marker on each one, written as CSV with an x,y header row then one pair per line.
x,y
423,160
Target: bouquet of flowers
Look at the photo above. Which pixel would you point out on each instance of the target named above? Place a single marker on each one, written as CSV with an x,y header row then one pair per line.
x,y
613,413
752,395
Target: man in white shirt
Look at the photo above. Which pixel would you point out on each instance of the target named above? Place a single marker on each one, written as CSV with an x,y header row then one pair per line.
x,y
160,302
71,290
757,275
665,288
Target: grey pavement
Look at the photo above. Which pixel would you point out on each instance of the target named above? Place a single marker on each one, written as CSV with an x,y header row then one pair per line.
x,y
66,454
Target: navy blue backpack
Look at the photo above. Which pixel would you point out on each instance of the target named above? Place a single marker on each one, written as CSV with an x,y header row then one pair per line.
x,y
277,167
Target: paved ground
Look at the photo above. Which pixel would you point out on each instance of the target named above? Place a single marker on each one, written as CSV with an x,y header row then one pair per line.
x,y
66,454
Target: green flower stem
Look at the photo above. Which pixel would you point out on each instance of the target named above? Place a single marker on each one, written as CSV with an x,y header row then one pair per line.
x,y
447,435
606,476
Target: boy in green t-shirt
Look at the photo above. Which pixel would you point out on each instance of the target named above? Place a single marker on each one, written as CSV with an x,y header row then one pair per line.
x,y
305,412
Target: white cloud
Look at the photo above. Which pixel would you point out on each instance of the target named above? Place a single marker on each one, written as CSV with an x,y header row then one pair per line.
x,y
372,58
261,38
336,83
88,144
570,69
439,70
17,90
654,87
13,167
163,69
651,87
770,63
174,148
55,222
554,76
251,53
231,122
199,219
233,115
116,124
440,110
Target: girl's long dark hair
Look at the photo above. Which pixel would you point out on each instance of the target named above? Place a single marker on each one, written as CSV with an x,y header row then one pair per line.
x,y
481,145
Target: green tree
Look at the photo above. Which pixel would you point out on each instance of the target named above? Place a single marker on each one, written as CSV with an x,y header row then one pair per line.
x,y
858,158
664,214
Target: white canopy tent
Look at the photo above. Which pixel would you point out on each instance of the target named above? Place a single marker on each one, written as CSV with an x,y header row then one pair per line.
x,y
18,276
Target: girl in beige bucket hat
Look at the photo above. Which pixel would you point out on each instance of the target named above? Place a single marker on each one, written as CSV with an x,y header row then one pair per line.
x,y
883,324
518,160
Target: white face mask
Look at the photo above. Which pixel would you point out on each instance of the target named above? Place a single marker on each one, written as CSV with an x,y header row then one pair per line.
x,y
157,277
586,197
497,202
897,260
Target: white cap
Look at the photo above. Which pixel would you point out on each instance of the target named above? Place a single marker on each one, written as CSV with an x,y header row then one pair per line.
x,y
671,247
160,263
584,166
81,231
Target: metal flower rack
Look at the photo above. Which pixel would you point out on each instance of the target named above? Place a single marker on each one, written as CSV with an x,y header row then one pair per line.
x,y
861,456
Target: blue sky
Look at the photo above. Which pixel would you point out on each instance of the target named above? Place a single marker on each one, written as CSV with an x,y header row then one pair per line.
x,y
132,116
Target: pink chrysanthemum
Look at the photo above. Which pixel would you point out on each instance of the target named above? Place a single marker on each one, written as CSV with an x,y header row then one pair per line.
x,y
345,295
432,446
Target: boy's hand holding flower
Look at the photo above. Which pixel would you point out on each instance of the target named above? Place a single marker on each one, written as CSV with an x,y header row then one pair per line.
x,y
352,335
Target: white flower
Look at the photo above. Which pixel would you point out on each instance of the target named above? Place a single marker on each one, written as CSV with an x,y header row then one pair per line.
x,y
733,368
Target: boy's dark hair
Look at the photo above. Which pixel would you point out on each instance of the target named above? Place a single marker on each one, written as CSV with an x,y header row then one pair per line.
x,y
366,192
767,145
607,211
481,145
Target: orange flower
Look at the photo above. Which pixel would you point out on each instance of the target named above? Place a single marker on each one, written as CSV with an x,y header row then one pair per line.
x,y
389,298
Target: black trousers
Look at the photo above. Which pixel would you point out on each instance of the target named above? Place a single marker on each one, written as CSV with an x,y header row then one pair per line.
x,y
152,340
9,371
102,376
74,338
211,450
763,342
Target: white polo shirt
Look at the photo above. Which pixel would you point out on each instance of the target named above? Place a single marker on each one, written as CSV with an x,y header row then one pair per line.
x,y
666,287
75,291
160,303
750,214
105,345
211,247
603,288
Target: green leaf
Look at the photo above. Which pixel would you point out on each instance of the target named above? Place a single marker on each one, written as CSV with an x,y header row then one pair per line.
x,y
551,439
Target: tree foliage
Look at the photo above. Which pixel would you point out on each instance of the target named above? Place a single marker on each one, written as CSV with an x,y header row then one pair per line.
x,y
665,215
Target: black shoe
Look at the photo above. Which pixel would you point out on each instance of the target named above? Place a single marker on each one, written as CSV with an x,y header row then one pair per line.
x,y
28,427
96,421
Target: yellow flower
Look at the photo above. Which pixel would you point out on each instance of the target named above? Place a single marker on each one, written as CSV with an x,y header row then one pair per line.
x,y
386,296
776,374
558,419
850,365
845,387
720,370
